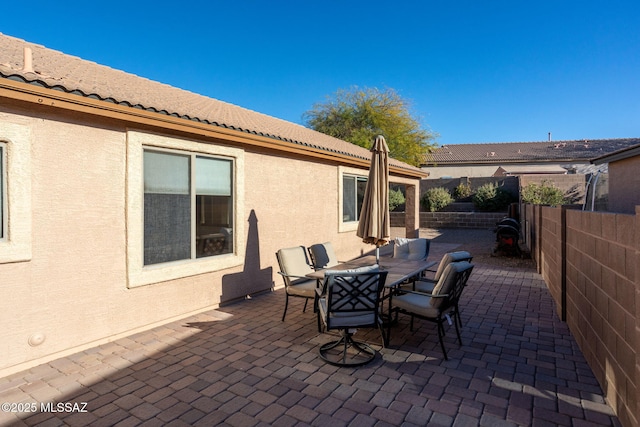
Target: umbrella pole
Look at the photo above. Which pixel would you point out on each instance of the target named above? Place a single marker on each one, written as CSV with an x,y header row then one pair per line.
x,y
377,254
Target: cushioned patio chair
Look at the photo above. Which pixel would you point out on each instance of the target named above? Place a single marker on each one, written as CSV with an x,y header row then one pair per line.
x,y
349,300
426,284
437,306
411,249
322,255
294,267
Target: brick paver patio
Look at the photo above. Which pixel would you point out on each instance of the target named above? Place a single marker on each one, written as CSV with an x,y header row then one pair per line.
x,y
241,366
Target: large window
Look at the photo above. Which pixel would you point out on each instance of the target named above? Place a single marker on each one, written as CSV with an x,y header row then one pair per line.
x,y
353,188
188,206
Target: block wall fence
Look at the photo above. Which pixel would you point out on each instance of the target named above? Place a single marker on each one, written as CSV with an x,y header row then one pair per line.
x,y
451,219
590,262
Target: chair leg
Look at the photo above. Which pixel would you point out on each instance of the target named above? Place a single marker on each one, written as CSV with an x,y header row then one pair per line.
x,y
385,339
306,300
440,337
457,331
286,304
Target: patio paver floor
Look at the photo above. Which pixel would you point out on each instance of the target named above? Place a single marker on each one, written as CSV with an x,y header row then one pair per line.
x,y
240,365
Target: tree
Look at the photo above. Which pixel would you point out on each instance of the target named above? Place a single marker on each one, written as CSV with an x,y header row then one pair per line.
x,y
359,115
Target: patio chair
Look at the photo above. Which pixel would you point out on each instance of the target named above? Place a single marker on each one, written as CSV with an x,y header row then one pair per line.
x,y
411,249
437,306
350,299
293,268
426,284
322,255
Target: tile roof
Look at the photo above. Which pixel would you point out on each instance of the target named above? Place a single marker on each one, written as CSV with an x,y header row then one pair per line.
x,y
56,70
521,152
622,154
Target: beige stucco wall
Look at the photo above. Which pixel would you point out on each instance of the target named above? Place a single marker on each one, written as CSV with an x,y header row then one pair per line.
x,y
624,182
74,290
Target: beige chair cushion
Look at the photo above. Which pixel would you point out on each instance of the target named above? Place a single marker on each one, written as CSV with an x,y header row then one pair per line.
x,y
366,269
411,249
323,255
416,303
303,288
448,258
338,320
447,281
294,263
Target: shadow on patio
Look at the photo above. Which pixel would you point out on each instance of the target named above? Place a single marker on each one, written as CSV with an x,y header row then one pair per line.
x,y
241,366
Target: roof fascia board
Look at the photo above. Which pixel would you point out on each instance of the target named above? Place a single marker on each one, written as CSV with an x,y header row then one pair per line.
x,y
620,155
52,98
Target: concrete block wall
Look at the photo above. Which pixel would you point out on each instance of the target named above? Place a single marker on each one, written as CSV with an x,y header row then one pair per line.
x,y
452,219
591,264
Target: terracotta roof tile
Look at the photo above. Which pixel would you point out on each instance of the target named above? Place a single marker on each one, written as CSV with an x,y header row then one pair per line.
x,y
518,152
54,69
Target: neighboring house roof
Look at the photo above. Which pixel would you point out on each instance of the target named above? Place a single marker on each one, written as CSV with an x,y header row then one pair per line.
x,y
528,170
622,154
43,67
526,152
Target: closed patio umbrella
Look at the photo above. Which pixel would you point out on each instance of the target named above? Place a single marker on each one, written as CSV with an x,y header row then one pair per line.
x,y
374,224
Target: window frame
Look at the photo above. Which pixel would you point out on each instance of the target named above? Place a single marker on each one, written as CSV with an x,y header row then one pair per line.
x,y
193,195
347,226
16,243
3,191
139,274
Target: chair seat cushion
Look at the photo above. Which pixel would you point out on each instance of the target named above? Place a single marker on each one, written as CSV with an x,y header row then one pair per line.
x,y
303,288
414,303
346,320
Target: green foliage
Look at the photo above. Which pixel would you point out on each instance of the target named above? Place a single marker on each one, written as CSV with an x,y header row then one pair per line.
x,y
359,115
492,198
435,199
462,191
396,198
542,194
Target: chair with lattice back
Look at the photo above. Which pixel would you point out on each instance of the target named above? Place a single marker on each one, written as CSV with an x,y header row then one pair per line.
x,y
350,300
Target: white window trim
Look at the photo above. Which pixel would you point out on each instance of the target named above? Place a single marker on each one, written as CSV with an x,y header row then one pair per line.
x,y
16,245
344,227
137,273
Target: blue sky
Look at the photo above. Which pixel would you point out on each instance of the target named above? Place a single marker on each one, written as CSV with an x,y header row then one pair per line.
x,y
474,71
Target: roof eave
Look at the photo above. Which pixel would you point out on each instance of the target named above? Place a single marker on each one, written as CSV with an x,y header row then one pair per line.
x,y
618,155
502,161
44,96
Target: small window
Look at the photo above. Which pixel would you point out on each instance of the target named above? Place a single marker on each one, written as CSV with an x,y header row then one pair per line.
x,y
2,192
353,188
188,206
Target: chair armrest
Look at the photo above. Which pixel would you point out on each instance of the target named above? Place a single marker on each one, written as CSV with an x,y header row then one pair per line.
x,y
292,276
407,291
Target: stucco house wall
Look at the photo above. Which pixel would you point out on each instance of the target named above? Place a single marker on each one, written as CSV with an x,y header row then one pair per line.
x,y
71,265
75,290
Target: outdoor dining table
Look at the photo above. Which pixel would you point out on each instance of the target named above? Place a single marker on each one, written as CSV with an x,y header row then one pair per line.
x,y
398,270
